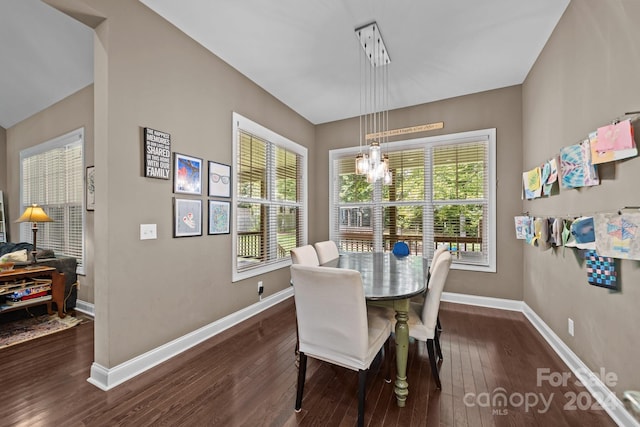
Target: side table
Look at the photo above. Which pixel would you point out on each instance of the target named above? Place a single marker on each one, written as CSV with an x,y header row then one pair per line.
x,y
57,287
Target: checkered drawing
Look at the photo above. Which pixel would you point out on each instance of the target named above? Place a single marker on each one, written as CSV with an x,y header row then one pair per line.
x,y
618,234
601,271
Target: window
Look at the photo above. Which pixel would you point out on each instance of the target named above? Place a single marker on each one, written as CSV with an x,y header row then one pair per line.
x,y
52,175
269,198
442,194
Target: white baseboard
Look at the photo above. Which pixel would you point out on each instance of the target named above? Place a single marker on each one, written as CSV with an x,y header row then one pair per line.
x,y
593,383
85,307
489,302
107,378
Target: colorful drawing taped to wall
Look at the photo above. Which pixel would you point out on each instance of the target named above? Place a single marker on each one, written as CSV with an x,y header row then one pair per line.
x,y
521,222
524,228
601,270
576,169
531,183
583,234
613,142
618,235
549,176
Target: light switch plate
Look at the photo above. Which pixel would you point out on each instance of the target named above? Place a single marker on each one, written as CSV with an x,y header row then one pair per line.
x,y
148,231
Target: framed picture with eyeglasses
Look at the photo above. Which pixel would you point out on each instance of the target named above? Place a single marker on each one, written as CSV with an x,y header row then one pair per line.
x,y
219,180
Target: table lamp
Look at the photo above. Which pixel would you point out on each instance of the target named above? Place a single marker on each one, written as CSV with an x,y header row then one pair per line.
x,y
34,214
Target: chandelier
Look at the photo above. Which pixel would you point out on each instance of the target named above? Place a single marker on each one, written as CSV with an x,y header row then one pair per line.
x,y
374,113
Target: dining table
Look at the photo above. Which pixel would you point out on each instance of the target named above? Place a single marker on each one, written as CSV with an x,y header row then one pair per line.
x,y
391,281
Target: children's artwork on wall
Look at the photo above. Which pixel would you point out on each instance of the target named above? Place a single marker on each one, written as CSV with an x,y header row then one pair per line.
x,y
531,183
617,235
613,142
601,270
541,226
555,231
566,234
583,233
549,176
576,169
522,223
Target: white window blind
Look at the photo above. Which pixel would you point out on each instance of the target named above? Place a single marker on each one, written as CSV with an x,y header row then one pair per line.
x,y
441,194
270,199
51,175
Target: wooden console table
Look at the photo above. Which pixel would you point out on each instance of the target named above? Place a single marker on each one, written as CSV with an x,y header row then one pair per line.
x,y
57,287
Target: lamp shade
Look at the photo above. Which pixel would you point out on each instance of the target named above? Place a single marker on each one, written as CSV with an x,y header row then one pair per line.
x,y
34,213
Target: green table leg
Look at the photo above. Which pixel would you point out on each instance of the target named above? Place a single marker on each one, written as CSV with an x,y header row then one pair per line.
x,y
402,350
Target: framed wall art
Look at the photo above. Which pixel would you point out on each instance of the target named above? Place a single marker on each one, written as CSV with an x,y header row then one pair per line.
x,y
90,188
157,154
219,217
219,180
187,217
187,178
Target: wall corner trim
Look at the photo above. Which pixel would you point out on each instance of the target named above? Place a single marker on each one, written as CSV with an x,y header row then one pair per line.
x,y
606,398
108,378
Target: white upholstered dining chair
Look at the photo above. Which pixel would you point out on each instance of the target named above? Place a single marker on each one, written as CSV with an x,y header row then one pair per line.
x,y
439,251
423,317
304,255
333,325
327,251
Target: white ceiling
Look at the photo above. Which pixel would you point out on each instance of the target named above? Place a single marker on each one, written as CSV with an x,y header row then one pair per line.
x,y
305,53
45,56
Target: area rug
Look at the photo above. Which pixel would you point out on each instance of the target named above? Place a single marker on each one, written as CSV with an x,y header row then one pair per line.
x,y
27,329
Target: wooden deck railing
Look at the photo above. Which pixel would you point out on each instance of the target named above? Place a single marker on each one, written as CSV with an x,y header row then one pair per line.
x,y
363,242
250,244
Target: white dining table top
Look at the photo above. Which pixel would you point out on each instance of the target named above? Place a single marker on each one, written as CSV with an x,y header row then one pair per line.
x,y
384,275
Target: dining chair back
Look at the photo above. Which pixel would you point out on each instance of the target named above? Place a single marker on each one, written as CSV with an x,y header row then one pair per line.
x,y
333,324
305,255
423,317
439,251
427,329
327,251
400,249
432,300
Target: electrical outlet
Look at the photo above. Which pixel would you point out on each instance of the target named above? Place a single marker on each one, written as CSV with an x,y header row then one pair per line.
x,y
260,288
570,323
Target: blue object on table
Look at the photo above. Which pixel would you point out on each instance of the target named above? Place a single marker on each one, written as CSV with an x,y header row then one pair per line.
x,y
400,249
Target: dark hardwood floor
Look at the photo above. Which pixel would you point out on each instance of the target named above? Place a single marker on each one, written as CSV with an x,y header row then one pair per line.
x,y
246,377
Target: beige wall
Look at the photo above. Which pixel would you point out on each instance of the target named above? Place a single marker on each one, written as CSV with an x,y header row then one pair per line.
x,y
500,109
586,76
3,159
71,113
148,73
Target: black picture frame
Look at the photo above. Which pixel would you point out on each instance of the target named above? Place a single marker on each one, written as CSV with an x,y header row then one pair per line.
x,y
219,217
187,217
219,179
187,175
